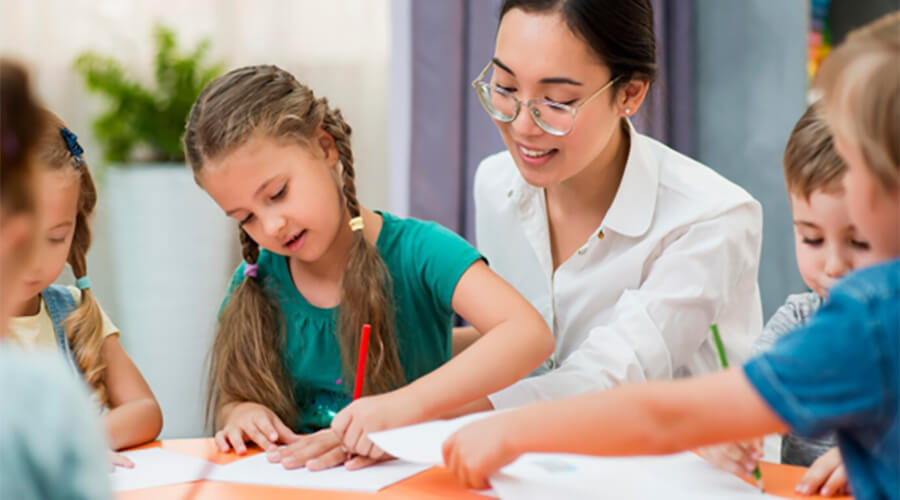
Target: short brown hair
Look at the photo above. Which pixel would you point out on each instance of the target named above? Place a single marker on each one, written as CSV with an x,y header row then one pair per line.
x,y
810,160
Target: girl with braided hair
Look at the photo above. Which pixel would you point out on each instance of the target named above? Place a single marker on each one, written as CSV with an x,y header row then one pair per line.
x,y
317,267
69,318
52,443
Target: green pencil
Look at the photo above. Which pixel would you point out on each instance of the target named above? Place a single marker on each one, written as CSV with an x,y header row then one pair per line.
x,y
720,347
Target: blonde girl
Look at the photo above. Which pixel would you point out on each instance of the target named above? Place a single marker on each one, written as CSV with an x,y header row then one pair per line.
x,y
69,318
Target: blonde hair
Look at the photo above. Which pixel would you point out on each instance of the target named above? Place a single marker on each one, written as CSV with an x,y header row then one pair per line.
x,y
84,326
245,360
861,86
810,160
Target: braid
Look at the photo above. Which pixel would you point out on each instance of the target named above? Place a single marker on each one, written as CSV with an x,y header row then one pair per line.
x,y
366,284
84,326
249,248
333,123
245,361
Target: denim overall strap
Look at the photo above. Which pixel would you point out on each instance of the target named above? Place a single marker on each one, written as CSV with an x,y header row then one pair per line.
x,y
60,305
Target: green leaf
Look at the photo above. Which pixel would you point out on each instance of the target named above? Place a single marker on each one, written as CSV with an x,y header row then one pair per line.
x,y
151,117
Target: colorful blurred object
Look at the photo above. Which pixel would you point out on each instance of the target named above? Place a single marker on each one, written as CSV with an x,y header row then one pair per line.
x,y
819,36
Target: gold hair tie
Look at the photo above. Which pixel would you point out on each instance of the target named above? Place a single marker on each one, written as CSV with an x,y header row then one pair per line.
x,y
356,223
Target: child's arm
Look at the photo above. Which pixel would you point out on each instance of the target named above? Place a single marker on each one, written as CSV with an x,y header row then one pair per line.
x,y
642,419
463,337
515,342
134,416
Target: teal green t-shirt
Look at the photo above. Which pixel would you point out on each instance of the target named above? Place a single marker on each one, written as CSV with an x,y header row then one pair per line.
x,y
425,261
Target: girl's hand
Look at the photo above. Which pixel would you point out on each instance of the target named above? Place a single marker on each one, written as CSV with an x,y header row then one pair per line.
x,y
478,450
372,414
317,451
826,476
118,460
253,422
736,458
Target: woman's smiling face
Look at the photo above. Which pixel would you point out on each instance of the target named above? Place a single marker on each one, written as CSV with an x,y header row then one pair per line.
x,y
537,56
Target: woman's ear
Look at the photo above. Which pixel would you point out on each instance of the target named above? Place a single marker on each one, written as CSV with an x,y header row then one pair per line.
x,y
631,96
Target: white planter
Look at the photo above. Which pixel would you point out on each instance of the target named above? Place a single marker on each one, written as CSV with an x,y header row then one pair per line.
x,y
172,252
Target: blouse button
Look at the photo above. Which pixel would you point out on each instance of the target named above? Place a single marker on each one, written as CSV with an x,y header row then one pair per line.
x,y
582,250
600,235
509,194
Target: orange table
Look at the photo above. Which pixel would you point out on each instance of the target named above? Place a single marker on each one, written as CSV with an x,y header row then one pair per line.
x,y
434,484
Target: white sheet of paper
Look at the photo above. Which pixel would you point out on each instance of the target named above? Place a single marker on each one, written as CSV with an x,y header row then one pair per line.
x,y
421,443
682,476
490,492
159,467
258,470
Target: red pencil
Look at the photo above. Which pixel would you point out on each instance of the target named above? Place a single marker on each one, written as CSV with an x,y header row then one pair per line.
x,y
361,365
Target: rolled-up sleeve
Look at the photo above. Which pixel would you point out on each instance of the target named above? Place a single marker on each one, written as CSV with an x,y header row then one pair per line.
x,y
806,379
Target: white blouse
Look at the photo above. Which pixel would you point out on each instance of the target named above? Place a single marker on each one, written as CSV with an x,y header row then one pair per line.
x,y
678,250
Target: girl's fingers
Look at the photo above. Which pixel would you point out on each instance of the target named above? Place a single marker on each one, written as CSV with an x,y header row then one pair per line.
x,y
125,462
351,437
341,422
364,446
258,437
307,448
332,458
236,438
221,442
359,462
119,460
285,434
267,429
274,455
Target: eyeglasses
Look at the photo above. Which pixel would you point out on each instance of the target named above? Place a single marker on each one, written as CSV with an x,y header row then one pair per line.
x,y
552,117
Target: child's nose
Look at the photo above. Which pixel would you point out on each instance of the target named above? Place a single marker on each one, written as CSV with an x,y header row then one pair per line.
x,y
272,224
836,265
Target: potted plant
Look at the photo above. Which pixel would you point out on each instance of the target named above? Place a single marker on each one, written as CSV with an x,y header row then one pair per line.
x,y
171,246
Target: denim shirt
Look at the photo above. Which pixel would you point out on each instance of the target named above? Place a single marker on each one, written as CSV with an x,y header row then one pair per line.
x,y
840,373
53,444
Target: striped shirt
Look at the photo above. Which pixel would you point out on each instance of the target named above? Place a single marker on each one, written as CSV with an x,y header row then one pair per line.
x,y
795,312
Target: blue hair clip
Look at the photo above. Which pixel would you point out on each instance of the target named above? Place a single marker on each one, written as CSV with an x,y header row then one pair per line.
x,y
72,145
